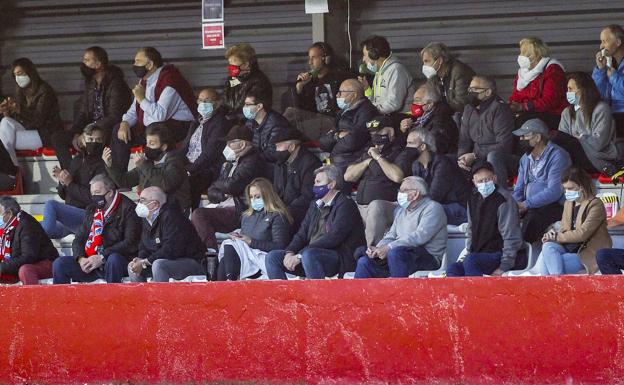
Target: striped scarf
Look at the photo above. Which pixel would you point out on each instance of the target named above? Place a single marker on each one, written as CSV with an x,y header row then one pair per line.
x,y
6,237
97,227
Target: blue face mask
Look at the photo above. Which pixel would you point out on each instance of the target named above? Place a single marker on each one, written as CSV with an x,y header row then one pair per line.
x,y
320,191
402,200
571,195
257,204
371,67
249,114
205,109
571,96
486,189
342,104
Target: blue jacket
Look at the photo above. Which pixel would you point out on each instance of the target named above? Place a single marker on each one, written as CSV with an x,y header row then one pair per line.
x,y
611,88
542,186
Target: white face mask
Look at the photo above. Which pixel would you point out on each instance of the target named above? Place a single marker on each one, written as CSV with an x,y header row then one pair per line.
x,y
22,80
141,210
429,71
229,154
524,62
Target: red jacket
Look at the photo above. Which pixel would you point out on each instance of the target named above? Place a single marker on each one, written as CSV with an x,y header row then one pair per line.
x,y
551,99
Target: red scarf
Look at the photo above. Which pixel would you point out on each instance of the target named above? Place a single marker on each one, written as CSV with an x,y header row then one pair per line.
x,y
97,227
6,239
169,76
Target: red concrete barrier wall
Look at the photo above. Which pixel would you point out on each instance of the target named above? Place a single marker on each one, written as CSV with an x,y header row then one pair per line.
x,y
412,331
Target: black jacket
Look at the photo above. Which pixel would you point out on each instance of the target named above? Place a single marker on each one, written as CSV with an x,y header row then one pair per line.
x,y
116,98
249,167
344,231
212,143
294,181
6,163
268,231
348,149
30,245
41,114
234,95
374,184
82,169
171,237
443,128
272,124
447,182
122,231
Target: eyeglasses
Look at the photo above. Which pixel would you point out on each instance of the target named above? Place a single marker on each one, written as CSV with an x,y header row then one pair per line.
x,y
406,190
344,91
477,89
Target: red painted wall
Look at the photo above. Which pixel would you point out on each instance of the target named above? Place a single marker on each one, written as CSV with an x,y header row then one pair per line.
x,y
411,331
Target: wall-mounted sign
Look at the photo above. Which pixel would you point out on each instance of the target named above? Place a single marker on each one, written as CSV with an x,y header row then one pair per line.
x,y
213,36
212,10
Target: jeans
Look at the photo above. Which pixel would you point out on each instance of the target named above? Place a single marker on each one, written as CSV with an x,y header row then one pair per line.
x,y
163,269
401,262
556,260
60,219
610,261
65,269
475,265
456,214
315,264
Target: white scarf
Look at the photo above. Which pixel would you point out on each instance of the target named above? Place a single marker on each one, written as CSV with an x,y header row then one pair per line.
x,y
526,76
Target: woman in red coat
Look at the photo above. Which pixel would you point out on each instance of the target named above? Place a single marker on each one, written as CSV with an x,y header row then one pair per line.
x,y
540,87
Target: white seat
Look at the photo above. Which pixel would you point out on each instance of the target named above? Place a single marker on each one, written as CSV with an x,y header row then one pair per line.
x,y
435,273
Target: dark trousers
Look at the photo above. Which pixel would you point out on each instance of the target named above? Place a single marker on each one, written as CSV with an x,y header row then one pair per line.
x,y
475,265
610,261
65,269
199,182
552,121
401,262
619,124
575,149
61,142
208,221
536,221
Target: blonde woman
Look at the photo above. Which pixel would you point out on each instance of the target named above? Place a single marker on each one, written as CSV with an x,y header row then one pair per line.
x,y
265,226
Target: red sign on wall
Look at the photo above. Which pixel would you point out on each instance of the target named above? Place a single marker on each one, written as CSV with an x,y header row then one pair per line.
x,y
213,36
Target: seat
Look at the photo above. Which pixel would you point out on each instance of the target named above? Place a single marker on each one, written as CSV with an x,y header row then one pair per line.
x,y
434,273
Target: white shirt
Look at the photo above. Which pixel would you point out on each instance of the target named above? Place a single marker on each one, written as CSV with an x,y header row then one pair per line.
x,y
169,106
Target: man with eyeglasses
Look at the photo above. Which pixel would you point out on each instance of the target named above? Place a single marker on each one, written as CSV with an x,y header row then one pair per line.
x,y
493,234
486,130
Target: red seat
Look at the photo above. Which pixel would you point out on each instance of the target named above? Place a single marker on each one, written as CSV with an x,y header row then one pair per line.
x,y
19,185
24,153
136,149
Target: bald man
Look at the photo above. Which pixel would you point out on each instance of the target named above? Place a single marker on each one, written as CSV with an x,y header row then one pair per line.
x,y
170,246
348,141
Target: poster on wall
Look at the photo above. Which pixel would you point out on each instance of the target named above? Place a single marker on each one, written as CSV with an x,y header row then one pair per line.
x,y
213,36
212,10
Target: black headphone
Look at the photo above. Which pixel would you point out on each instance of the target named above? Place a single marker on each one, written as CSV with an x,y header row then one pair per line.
x,y
326,51
373,53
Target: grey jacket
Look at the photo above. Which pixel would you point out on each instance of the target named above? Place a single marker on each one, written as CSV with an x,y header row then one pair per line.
x,y
598,141
268,231
455,84
424,225
486,129
393,87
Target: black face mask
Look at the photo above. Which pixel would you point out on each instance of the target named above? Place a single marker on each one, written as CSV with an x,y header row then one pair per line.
x,y
152,153
99,201
87,72
380,140
473,98
282,156
139,71
525,147
412,153
94,149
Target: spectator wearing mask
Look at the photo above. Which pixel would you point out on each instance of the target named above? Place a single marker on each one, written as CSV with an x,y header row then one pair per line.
x,y
539,88
162,95
159,165
204,143
26,252
486,131
416,241
609,72
243,164
378,175
105,98
265,226
446,183
587,129
331,231
244,75
349,140
314,95
32,115
170,246
393,85
582,233
493,235
538,190
293,175
62,219
433,114
448,74
107,239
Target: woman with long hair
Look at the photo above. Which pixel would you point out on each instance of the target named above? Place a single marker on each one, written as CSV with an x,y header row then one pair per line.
x,y
265,226
32,115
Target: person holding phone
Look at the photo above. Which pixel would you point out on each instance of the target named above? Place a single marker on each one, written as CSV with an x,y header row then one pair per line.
x,y
609,72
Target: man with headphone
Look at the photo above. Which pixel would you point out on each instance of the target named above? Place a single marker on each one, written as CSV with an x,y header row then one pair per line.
x,y
314,95
393,85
